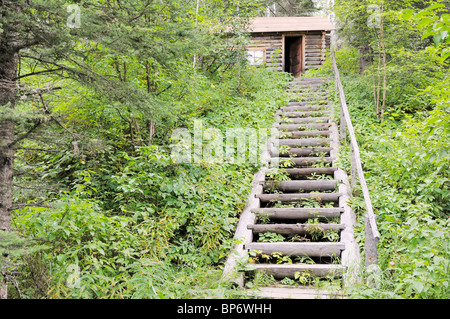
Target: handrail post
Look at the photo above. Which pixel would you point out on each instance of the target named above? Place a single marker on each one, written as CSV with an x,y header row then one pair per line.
x,y
343,126
371,244
372,268
352,167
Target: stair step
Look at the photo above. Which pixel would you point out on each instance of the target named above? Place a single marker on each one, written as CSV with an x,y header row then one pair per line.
x,y
309,99
304,161
309,171
289,270
289,186
307,113
302,151
296,134
321,197
299,123
311,249
305,108
310,80
287,229
307,121
315,87
294,103
305,142
304,86
295,293
308,95
298,213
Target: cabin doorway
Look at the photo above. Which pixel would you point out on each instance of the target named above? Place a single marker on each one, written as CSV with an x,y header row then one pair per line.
x,y
293,55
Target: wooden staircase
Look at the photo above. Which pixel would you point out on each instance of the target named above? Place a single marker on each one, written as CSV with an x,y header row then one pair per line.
x,y
297,229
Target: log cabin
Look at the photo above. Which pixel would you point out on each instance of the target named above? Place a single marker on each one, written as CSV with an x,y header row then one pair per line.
x,y
289,44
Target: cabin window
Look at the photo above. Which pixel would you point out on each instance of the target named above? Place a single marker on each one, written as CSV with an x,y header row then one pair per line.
x,y
255,56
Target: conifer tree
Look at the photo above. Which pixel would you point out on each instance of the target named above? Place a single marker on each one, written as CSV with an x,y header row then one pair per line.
x,y
66,40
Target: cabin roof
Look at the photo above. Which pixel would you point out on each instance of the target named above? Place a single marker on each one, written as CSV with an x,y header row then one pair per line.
x,y
286,24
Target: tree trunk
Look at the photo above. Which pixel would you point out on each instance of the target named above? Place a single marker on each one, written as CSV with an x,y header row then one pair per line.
x,y
9,59
383,48
365,59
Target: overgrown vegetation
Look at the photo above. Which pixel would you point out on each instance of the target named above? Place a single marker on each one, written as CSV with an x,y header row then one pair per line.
x,y
406,151
100,207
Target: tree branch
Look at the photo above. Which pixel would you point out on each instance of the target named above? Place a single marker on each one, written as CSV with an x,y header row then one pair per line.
x,y
23,136
36,73
17,206
36,149
21,46
75,136
34,188
40,91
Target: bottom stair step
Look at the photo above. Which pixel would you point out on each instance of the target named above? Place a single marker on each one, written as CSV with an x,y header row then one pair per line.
x,y
295,293
289,270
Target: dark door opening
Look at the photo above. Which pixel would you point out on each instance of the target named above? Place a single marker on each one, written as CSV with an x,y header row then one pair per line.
x,y
293,55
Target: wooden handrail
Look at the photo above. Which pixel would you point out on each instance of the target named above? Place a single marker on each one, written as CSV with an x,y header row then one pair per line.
x,y
346,123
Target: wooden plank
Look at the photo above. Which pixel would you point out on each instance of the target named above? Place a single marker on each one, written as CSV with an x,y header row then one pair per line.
x,y
305,142
298,213
311,249
313,46
303,160
295,293
311,58
297,134
294,103
310,63
289,270
305,123
306,113
288,229
305,108
307,151
320,197
315,54
309,171
306,185
257,38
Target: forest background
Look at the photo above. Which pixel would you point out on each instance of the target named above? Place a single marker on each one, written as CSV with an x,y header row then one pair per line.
x,y
93,205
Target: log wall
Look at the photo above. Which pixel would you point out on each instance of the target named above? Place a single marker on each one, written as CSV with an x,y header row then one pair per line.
x,y
316,44
273,45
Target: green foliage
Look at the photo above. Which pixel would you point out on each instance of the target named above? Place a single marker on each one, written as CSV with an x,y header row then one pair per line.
x,y
14,246
408,72
133,215
125,221
405,158
270,237
289,8
435,20
406,163
347,59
